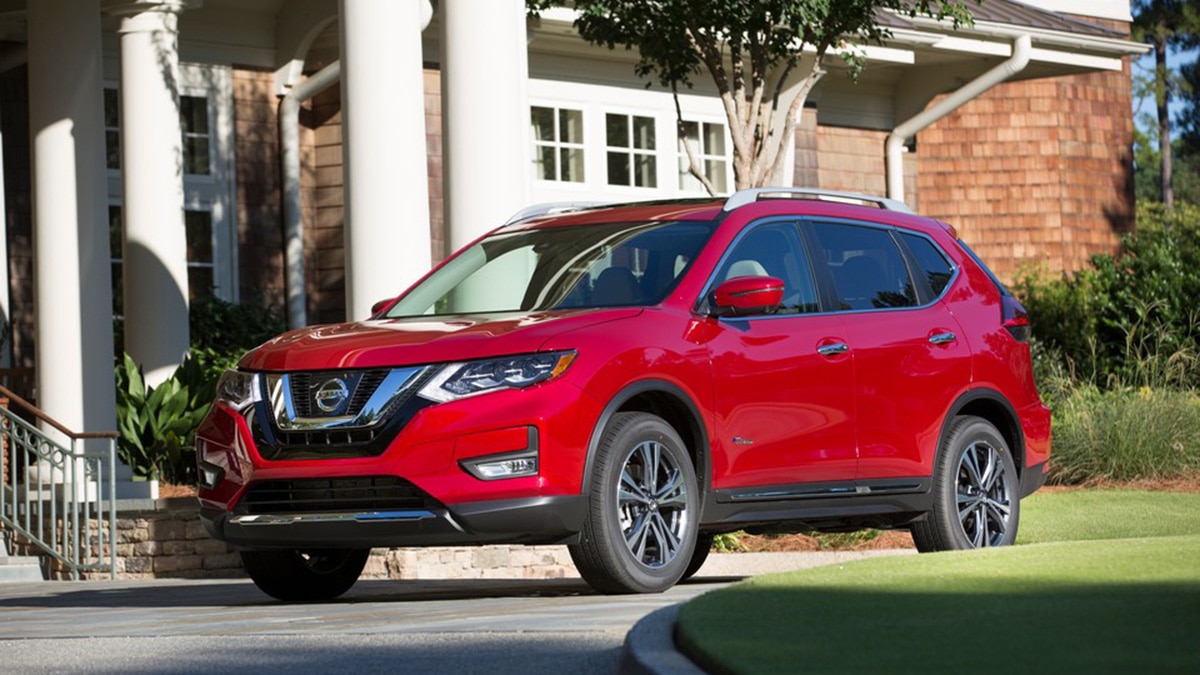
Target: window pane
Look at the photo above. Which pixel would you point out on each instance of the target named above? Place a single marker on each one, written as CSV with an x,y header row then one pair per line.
x,y
193,114
868,270
199,236
643,133
195,155
646,174
618,168
200,282
617,128
714,139
112,108
572,164
118,289
114,232
544,162
931,261
715,170
112,149
542,120
774,250
570,126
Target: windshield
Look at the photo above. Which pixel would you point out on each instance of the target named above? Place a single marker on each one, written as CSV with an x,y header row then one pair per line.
x,y
608,265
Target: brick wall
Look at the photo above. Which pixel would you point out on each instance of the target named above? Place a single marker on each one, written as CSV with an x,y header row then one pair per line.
x,y
853,160
260,232
1035,173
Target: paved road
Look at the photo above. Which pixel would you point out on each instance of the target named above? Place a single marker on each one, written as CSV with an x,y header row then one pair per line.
x,y
497,627
494,627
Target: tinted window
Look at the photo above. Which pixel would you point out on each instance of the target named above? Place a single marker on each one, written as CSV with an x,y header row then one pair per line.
x,y
867,267
774,250
931,262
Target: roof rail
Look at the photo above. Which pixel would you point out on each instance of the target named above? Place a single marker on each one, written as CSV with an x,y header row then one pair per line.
x,y
743,197
548,209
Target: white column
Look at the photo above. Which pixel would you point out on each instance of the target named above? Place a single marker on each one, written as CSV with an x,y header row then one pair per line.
x,y
485,115
155,246
383,138
73,277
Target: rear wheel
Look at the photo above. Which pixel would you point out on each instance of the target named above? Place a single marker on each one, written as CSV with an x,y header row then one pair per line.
x,y
976,491
643,510
319,574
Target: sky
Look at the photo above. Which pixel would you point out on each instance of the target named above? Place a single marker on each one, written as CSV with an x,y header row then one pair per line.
x,y
1145,66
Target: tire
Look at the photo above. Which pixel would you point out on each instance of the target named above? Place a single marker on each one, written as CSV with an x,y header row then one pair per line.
x,y
704,542
640,530
974,469
298,576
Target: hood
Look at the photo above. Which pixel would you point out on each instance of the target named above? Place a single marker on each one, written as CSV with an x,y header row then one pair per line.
x,y
415,341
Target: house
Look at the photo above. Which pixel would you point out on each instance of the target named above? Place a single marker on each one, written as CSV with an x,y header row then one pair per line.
x,y
319,155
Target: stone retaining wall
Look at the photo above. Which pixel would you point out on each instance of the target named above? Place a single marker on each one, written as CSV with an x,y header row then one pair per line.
x,y
166,540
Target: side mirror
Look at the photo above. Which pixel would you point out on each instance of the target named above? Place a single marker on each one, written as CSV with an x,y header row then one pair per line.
x,y
741,296
381,305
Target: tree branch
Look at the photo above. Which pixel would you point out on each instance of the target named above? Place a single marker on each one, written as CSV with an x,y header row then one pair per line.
x,y
694,167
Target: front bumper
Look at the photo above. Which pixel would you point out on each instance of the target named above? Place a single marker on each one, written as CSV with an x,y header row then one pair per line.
x,y
537,520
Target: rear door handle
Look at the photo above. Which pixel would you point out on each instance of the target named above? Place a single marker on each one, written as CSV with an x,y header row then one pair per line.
x,y
942,338
833,349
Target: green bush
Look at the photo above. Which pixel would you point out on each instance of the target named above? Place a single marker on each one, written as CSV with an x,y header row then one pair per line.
x,y
158,424
1132,316
1125,434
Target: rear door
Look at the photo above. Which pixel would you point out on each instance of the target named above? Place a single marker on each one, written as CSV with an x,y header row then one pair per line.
x,y
911,360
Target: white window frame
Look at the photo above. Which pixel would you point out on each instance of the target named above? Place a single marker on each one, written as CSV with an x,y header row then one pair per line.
x,y
213,193
597,100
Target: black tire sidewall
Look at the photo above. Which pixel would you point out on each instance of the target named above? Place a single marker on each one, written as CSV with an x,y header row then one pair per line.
x,y
624,433
965,431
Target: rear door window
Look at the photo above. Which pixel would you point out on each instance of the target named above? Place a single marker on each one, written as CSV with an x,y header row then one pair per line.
x,y
865,266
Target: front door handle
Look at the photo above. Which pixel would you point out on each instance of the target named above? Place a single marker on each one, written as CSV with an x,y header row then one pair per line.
x,y
833,349
942,338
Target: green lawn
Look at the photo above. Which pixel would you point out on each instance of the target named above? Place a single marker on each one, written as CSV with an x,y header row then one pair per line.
x,y
1108,604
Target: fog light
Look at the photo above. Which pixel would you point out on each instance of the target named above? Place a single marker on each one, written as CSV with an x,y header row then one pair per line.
x,y
210,475
506,465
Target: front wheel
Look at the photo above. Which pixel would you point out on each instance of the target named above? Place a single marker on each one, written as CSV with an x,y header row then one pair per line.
x,y
976,491
643,510
297,576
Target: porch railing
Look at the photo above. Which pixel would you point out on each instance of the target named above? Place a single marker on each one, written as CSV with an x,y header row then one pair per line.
x,y
58,491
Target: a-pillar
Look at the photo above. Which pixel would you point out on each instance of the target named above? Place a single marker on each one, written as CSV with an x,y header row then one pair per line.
x,y
155,244
485,115
73,275
383,138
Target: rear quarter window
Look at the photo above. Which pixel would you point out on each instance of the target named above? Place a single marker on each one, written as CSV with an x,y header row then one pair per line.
x,y
931,262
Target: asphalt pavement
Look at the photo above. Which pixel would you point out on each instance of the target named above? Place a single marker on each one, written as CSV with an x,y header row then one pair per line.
x,y
497,627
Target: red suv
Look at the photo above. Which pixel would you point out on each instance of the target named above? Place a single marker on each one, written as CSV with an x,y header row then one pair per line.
x,y
630,381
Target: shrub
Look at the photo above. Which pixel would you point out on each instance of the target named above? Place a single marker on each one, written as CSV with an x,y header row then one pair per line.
x,y
1124,434
158,424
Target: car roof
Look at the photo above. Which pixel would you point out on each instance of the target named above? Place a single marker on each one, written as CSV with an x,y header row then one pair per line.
x,y
753,203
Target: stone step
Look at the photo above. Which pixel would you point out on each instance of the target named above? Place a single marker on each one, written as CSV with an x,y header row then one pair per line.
x,y
20,569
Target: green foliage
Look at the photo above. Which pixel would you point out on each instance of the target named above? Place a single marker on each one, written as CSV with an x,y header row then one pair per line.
x,y
222,331
1125,434
158,424
1131,319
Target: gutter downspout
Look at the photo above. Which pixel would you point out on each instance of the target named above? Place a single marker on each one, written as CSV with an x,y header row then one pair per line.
x,y
289,159
894,147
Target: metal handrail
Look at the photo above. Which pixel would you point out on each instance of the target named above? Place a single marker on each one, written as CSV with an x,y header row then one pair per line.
x,y
62,514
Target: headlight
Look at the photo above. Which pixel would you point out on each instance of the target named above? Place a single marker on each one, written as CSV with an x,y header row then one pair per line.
x,y
236,389
460,380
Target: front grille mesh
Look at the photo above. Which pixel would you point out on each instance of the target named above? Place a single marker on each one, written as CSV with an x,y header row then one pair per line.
x,y
333,495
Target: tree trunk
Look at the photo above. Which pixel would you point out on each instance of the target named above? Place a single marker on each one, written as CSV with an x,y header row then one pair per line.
x,y
1164,114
